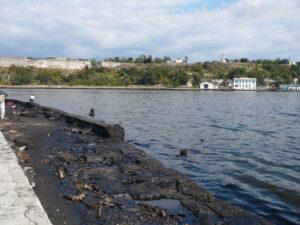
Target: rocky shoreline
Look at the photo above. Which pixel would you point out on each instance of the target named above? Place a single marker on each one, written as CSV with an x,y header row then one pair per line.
x,y
85,173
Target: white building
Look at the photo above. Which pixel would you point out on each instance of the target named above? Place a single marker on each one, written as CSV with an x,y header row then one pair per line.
x,y
292,63
244,83
208,86
176,61
179,61
290,87
223,60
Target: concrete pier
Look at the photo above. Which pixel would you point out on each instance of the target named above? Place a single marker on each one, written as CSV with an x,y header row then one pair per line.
x,y
18,202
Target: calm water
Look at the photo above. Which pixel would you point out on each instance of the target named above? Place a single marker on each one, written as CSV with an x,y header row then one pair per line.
x,y
243,146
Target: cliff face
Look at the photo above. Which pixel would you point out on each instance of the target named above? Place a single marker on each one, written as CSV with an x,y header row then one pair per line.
x,y
55,63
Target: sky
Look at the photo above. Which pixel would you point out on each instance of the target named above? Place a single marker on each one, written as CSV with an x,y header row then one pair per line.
x,y
198,29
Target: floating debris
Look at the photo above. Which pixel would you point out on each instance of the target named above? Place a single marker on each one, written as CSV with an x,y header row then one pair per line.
x,y
183,152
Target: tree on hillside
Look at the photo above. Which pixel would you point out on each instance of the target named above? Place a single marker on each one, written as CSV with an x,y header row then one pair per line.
x,y
282,61
260,74
236,73
166,58
197,74
244,60
23,75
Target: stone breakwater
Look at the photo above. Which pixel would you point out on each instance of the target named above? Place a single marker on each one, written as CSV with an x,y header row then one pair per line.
x,y
85,173
51,63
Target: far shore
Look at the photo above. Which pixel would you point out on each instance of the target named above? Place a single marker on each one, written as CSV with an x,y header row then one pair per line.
x,y
142,87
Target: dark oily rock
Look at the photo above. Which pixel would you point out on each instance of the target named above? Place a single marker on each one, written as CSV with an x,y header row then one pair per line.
x,y
104,183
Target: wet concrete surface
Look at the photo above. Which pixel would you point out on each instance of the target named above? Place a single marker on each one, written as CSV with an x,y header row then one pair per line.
x,y
82,176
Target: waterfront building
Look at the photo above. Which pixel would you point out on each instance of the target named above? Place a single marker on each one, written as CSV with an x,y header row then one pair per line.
x,y
208,86
289,87
244,83
218,83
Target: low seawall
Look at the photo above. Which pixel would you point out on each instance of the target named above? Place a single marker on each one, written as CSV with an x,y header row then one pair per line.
x,y
101,128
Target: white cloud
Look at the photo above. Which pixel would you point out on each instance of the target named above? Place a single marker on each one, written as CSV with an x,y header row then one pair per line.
x,y
86,28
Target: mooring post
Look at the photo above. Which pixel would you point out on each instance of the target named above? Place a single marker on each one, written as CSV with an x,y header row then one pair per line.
x,y
92,112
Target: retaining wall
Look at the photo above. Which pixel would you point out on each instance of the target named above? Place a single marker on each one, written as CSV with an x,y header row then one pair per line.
x,y
55,63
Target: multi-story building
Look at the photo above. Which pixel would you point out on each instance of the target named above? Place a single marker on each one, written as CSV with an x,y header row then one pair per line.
x,y
244,83
289,87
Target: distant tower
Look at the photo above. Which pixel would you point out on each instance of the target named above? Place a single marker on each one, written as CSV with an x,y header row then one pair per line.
x,y
223,60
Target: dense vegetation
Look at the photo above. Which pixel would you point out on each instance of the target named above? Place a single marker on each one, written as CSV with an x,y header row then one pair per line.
x,y
143,59
266,71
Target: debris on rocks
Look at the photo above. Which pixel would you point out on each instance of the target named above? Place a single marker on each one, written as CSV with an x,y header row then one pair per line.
x,y
163,213
33,185
65,156
99,212
49,160
125,196
22,148
74,130
86,187
60,172
74,198
107,200
106,204
23,157
29,171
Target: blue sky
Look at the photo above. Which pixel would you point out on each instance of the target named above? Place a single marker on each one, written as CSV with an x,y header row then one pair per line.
x,y
209,4
199,29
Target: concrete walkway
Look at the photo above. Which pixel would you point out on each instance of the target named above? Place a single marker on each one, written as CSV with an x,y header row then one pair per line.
x,y
18,203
